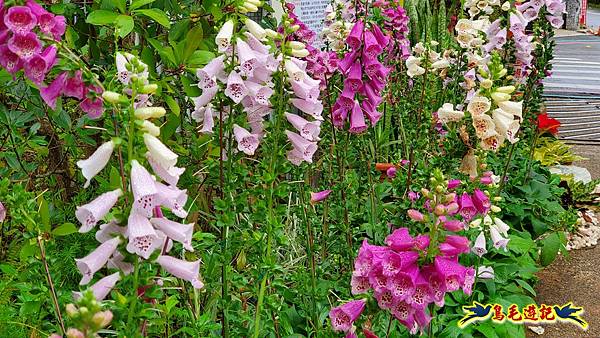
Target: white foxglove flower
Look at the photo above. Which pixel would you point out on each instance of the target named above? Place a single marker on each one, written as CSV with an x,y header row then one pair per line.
x,y
91,166
447,113
300,53
479,105
515,108
223,38
500,97
506,124
294,71
159,152
256,30
150,128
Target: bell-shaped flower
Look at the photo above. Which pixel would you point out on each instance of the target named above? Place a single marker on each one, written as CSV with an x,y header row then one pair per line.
x,y
357,119
372,113
255,29
506,124
223,38
307,89
421,296
260,93
501,226
109,230
316,197
2,212
159,152
304,147
20,20
89,214
170,175
480,245
188,271
92,103
9,60
215,69
447,114
58,29
117,261
236,89
143,240
308,130
91,166
172,198
512,107
492,142
400,240
37,67
150,128
343,316
101,288
404,313
452,272
485,272
484,126
25,46
347,62
178,232
355,38
384,298
372,46
91,263
51,93
359,284
145,196
453,225
498,240
354,77
294,72
481,201
208,122
467,208
247,142
74,86
479,105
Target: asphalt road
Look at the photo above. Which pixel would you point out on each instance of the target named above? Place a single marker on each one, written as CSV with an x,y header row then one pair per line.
x,y
593,18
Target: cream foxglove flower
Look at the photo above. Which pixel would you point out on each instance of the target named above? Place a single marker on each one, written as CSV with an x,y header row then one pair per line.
x,y
506,89
149,112
515,108
479,105
484,126
223,38
468,164
91,166
442,63
492,142
506,124
159,152
447,113
464,26
255,29
500,97
150,128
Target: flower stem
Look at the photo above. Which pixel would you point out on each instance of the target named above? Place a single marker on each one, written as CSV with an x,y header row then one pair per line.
x,y
51,284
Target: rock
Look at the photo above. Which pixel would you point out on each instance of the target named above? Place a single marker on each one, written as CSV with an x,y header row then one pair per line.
x,y
580,174
537,329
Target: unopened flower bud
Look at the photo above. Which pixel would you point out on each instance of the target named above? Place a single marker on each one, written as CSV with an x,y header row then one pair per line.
x,y
149,112
476,223
111,97
487,83
506,89
296,45
497,198
102,318
150,128
487,220
452,207
450,197
506,6
271,33
495,209
149,88
439,210
502,72
300,53
425,192
251,8
74,333
255,29
415,215
71,310
295,28
500,97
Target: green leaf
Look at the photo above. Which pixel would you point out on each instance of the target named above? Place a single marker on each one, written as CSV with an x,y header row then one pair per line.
x,y
192,41
157,15
173,105
199,58
115,179
44,214
550,247
526,286
190,88
124,24
168,129
27,251
101,17
65,229
139,3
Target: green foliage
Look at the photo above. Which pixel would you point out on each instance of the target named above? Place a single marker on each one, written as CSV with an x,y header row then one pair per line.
x,y
551,151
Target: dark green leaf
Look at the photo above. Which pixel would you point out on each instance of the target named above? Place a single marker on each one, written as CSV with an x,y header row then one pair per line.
x,y
124,24
65,229
157,15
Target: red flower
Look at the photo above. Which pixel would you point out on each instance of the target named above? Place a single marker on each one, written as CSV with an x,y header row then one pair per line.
x,y
546,123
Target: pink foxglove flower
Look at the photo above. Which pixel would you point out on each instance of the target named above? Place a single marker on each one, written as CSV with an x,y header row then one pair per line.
x,y
247,142
92,104
179,232
143,239
170,175
480,245
145,195
343,316
481,201
74,86
467,208
357,119
101,288
236,90
159,152
25,46
400,240
20,20
94,211
188,271
109,230
117,261
501,226
452,272
214,69
91,263
313,109
51,93
172,198
308,130
9,60
91,166
304,148
415,215
37,67
316,197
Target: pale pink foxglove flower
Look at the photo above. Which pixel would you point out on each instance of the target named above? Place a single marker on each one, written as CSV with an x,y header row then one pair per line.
x,y
91,166
188,271
306,149
236,89
117,261
109,230
207,95
172,198
248,60
498,240
143,240
179,232
101,288
145,196
247,142
313,109
159,152
316,197
480,245
91,263
260,93
308,130
501,226
123,74
170,175
215,69
294,72
89,214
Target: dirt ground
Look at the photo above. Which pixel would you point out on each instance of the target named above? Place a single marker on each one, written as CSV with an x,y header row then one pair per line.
x,y
574,278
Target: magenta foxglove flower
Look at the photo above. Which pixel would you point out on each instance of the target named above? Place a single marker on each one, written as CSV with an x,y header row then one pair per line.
x,y
143,239
371,111
415,215
422,294
94,211
343,316
145,195
354,79
452,272
101,288
25,46
159,152
400,240
391,172
316,197
179,232
58,29
454,225
20,20
2,212
188,271
74,86
422,242
480,245
355,37
51,93
91,263
37,67
91,166
304,148
402,285
404,312
486,180
385,298
9,60
372,46
467,208
357,119
359,284
413,196
308,130
453,184
170,175
459,242
92,104
481,201
247,142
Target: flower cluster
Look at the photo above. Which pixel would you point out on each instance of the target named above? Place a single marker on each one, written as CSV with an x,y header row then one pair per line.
x,y
484,7
396,24
87,317
20,46
339,19
530,11
365,78
424,56
146,229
